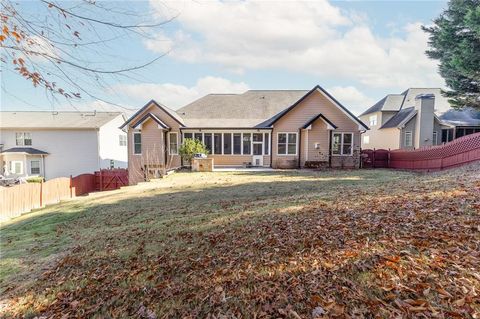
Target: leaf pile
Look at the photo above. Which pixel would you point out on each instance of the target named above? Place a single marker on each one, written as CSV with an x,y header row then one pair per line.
x,y
409,248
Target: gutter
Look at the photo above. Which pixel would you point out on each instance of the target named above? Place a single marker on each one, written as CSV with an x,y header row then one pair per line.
x,y
299,146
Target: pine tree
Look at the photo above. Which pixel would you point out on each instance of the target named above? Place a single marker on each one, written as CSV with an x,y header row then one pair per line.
x,y
455,41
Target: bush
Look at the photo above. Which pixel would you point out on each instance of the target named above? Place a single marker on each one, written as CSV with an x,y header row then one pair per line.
x,y
190,147
36,179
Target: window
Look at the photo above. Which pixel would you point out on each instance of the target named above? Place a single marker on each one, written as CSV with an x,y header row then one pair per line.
x,y
34,167
23,139
208,141
435,138
137,143
257,143
408,138
173,143
16,167
237,143
447,135
217,143
187,135
287,144
366,139
266,144
342,144
122,140
198,136
247,141
227,143
373,120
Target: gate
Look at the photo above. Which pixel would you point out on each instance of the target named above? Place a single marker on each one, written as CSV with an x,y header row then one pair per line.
x,y
110,179
375,158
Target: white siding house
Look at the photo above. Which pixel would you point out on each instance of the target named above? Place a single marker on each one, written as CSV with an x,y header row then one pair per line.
x,y
55,144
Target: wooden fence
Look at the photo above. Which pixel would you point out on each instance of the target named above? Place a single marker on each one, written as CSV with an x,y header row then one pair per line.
x,y
455,153
20,199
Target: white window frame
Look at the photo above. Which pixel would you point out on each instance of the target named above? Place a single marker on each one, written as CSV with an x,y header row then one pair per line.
x,y
435,138
12,167
405,139
23,138
39,167
342,134
122,140
170,142
266,134
366,139
372,120
133,143
286,144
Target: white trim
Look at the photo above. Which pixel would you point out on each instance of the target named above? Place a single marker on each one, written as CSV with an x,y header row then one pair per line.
x,y
233,145
341,143
286,144
133,143
120,136
329,127
405,139
406,120
169,140
367,141
39,167
23,138
12,167
232,132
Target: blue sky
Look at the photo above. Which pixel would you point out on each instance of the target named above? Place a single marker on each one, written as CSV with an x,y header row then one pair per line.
x,y
357,50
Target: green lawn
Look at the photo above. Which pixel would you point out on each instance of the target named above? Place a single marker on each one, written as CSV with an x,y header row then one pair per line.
x,y
261,244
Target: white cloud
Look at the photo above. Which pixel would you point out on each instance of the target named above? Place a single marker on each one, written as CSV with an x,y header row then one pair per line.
x,y
351,98
175,96
307,37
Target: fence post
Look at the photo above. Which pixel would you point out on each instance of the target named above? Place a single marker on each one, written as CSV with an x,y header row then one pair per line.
x,y
101,180
373,158
70,186
388,158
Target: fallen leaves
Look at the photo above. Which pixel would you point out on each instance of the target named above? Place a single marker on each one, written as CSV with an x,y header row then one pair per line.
x,y
367,253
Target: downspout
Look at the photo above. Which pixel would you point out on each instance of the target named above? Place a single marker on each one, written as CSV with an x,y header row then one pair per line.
x,y
271,148
99,164
181,143
43,166
299,146
330,149
165,150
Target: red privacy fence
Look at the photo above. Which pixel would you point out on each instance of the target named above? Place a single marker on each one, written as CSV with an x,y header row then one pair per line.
x,y
22,198
455,153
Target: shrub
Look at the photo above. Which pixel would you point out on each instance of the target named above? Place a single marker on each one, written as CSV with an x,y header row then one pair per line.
x,y
190,147
36,179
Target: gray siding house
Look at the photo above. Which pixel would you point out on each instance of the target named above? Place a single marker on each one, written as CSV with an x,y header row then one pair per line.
x,y
416,118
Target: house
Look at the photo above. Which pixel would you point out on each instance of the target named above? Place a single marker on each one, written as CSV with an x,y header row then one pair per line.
x,y
56,144
415,118
269,128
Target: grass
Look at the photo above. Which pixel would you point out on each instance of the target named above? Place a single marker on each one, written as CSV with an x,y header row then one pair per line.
x,y
264,244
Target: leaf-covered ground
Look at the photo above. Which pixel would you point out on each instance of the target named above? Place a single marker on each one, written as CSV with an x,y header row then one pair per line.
x,y
284,244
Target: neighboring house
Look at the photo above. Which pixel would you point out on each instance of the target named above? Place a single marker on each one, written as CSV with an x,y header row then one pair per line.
x,y
415,118
269,128
56,144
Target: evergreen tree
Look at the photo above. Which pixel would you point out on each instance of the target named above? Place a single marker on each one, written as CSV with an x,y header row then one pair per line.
x,y
455,41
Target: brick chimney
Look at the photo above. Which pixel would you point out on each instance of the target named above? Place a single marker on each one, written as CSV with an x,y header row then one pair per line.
x,y
424,105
